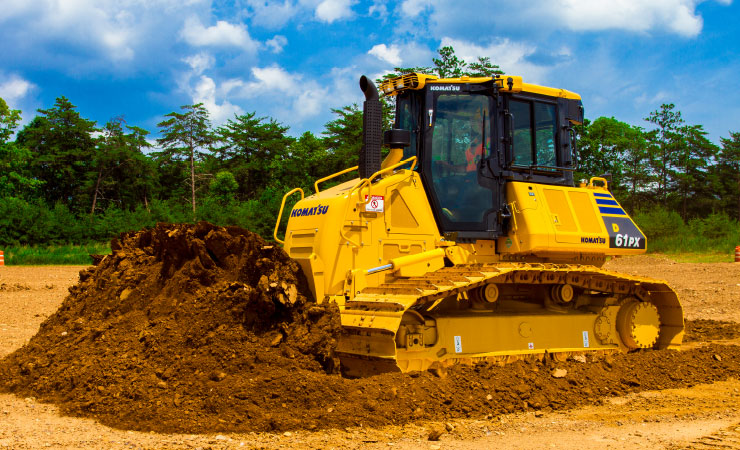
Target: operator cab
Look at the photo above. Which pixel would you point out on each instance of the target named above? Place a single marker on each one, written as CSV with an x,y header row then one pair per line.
x,y
472,135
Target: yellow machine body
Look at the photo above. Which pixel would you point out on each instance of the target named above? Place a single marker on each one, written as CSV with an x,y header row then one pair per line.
x,y
413,298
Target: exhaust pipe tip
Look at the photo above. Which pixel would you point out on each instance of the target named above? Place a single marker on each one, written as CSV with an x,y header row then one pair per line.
x,y
368,88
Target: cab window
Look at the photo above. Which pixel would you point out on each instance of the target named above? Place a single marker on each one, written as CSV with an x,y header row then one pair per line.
x,y
406,119
535,133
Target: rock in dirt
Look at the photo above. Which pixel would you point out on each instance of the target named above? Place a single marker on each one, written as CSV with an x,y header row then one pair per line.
x,y
559,373
436,433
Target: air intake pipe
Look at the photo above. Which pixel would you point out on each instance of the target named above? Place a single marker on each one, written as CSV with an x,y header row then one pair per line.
x,y
372,129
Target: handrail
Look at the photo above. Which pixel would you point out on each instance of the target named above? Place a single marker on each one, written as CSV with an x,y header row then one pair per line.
x,y
370,179
280,214
602,179
321,180
367,181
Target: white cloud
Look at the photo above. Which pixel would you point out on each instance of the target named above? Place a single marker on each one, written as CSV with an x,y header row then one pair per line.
x,y
412,8
656,98
271,14
276,44
390,54
310,102
678,16
332,10
105,24
223,34
510,56
13,89
199,62
85,36
382,58
378,8
273,78
205,92
289,95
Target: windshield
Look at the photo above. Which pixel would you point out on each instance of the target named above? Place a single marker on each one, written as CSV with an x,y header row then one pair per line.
x,y
461,138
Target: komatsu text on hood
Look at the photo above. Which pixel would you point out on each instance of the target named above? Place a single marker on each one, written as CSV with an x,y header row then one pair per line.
x,y
315,211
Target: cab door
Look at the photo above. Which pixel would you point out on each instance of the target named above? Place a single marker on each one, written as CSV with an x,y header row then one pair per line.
x,y
458,149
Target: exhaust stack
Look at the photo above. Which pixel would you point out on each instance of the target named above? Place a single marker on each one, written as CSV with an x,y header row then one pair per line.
x,y
372,129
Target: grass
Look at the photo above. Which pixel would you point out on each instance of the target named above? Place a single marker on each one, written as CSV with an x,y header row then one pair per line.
x,y
698,257
80,254
54,255
696,247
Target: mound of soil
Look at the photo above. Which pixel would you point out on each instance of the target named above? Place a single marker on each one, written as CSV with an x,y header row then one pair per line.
x,y
173,327
201,329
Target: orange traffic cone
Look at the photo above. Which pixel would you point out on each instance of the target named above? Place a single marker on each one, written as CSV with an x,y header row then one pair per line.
x,y
2,258
737,253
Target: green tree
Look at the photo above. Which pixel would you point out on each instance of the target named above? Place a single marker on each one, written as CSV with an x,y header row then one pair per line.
x,y
637,174
609,146
124,175
663,144
448,65
62,148
223,187
343,137
694,153
250,144
16,179
144,172
728,168
9,119
186,135
483,67
305,162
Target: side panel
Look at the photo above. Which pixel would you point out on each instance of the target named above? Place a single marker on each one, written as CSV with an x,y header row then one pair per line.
x,y
343,229
556,220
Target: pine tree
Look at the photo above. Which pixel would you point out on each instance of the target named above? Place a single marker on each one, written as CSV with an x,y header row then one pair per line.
x,y
63,150
188,136
663,148
729,170
250,144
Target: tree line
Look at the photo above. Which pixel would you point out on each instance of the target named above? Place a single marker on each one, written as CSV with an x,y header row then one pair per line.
x,y
64,179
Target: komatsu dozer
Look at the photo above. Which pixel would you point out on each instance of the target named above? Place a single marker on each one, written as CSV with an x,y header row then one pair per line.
x,y
470,240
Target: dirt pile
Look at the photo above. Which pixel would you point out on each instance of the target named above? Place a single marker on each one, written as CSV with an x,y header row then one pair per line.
x,y
173,327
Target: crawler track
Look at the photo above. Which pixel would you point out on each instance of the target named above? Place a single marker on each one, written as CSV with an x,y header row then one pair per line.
x,y
373,318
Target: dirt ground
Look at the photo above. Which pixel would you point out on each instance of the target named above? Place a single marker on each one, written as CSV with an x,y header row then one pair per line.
x,y
703,416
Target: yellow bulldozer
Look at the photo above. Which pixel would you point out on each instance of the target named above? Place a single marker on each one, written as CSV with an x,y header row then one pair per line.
x,y
470,240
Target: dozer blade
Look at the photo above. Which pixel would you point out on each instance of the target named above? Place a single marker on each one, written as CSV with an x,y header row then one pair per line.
x,y
409,324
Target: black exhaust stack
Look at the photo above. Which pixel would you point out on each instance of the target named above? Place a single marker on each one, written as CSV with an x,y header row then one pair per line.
x,y
372,129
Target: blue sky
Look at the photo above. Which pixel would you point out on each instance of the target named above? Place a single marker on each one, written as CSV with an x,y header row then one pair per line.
x,y
294,60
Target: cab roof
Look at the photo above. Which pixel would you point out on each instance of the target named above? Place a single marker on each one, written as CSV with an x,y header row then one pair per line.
x,y
506,83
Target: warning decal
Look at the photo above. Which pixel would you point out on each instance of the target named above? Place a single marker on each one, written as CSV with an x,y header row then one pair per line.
x,y
375,203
